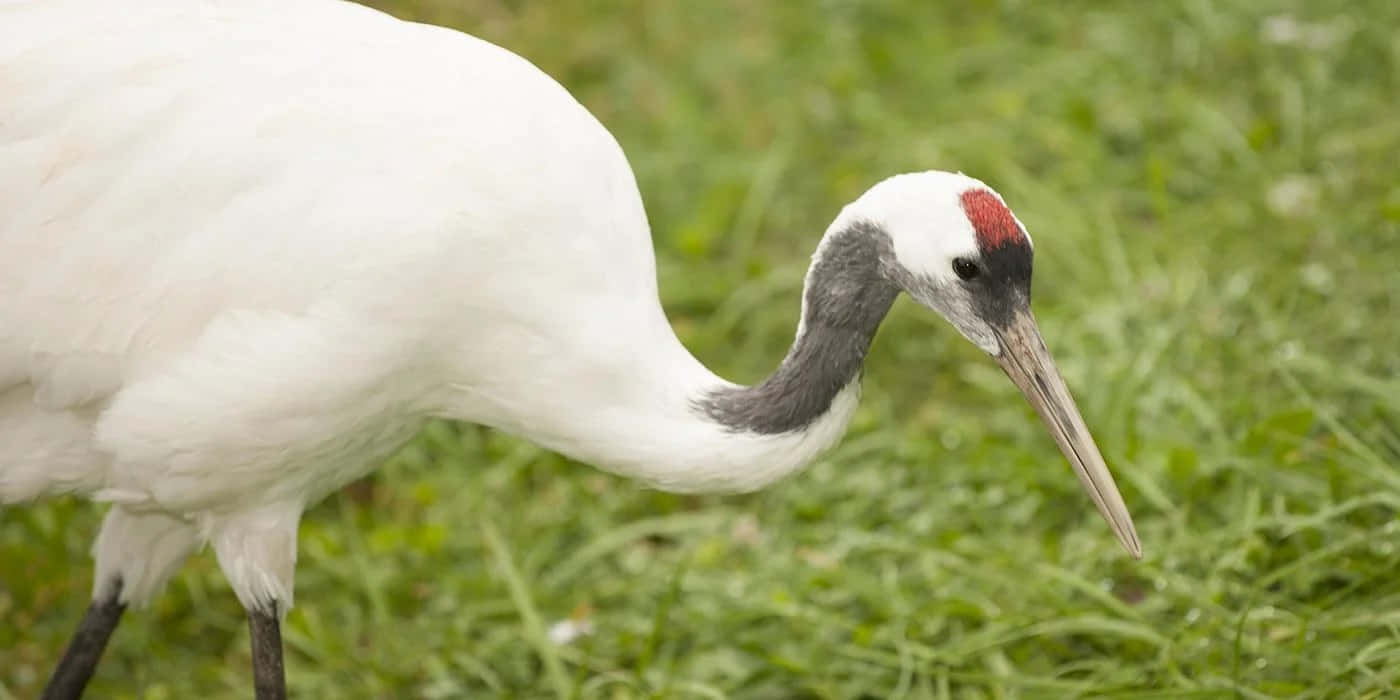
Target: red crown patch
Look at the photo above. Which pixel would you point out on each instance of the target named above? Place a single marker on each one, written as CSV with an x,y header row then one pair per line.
x,y
993,222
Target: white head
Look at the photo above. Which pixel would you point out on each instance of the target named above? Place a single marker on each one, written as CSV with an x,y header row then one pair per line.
x,y
955,247
952,244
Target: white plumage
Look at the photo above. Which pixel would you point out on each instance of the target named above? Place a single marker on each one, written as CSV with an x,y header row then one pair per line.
x,y
248,247
245,244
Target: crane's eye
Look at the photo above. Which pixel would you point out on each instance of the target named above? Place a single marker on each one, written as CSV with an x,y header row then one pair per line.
x,y
966,268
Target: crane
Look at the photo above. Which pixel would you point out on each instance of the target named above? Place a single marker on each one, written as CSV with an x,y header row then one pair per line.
x,y
248,248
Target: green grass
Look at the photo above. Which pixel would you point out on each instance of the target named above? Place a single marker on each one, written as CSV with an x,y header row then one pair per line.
x,y
1236,358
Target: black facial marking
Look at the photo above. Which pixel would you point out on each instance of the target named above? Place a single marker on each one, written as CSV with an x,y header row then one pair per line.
x,y
1004,284
848,294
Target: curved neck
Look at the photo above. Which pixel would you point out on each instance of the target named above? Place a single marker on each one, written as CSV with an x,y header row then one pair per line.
x,y
843,302
726,437
640,405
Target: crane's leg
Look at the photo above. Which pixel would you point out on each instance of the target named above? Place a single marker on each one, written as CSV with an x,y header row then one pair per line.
x,y
80,660
239,429
269,678
136,554
257,550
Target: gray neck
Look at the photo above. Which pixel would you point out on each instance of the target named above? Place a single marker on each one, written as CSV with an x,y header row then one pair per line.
x,y
846,296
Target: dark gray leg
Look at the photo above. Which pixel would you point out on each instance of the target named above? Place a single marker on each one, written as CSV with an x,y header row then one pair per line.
x,y
80,660
269,680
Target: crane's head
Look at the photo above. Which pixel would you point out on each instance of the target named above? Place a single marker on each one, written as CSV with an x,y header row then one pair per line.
x,y
951,243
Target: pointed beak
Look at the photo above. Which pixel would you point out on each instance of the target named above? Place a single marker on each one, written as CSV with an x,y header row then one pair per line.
x,y
1025,359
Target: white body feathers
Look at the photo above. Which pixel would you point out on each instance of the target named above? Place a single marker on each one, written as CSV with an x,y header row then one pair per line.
x,y
247,247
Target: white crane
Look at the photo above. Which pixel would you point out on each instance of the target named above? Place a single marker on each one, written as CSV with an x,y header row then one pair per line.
x,y
247,248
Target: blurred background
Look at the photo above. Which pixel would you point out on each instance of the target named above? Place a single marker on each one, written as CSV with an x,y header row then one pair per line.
x,y
1213,191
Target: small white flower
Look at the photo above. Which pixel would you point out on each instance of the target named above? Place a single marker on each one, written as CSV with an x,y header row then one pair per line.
x,y
1293,196
566,631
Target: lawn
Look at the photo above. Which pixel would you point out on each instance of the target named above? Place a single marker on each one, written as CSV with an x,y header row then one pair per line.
x,y
1213,191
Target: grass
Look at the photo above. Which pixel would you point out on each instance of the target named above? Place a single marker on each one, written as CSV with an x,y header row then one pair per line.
x,y
1212,186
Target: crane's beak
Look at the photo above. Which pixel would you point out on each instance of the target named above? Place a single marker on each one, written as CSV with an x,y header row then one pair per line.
x,y
1025,359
